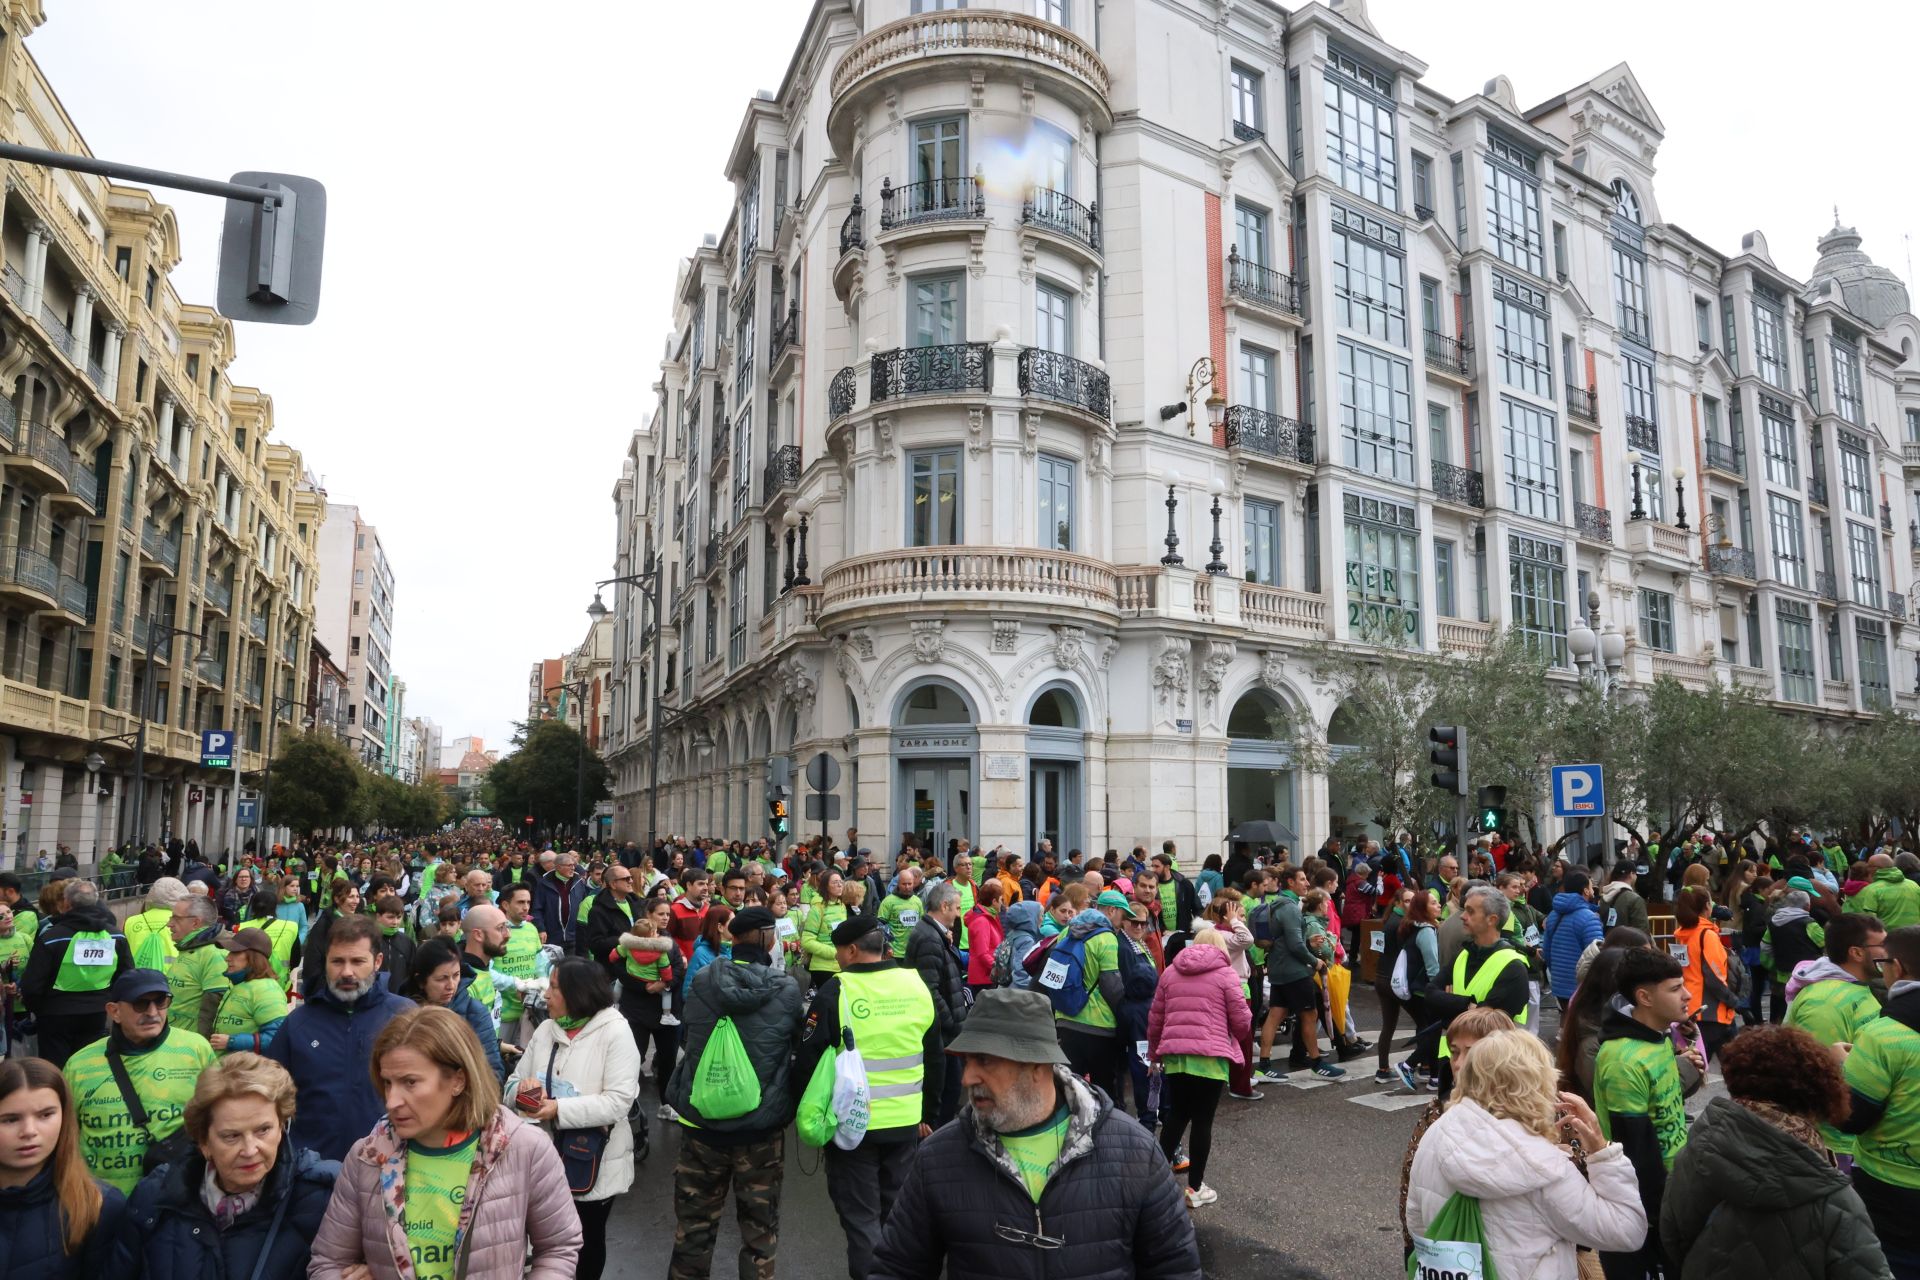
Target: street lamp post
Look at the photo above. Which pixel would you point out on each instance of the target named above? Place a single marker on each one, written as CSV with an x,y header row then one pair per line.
x,y
578,688
1599,658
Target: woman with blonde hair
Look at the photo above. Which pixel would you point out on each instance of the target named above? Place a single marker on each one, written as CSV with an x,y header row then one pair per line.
x,y
57,1221
1500,1142
246,1202
449,1178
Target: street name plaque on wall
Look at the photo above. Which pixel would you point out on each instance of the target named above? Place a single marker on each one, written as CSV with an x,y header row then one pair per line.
x,y
999,766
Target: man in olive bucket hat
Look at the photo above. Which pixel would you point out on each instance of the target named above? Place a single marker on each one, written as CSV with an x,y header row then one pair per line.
x,y
1036,1159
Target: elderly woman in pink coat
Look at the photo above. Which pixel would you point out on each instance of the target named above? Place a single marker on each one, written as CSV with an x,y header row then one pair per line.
x,y
1195,1028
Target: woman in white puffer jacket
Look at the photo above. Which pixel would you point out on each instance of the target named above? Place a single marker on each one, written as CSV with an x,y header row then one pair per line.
x,y
1499,1141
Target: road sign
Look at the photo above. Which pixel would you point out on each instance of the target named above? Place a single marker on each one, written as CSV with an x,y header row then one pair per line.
x,y
270,253
1579,791
823,773
247,813
193,795
216,748
823,808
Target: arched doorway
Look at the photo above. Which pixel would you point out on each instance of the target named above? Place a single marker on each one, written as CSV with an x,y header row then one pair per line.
x,y
936,748
1056,750
1347,815
1260,778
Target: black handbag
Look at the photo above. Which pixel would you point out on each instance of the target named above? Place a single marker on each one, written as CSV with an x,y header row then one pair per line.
x,y
580,1149
174,1147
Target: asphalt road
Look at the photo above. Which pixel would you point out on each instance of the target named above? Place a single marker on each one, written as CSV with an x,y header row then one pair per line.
x,y
1308,1180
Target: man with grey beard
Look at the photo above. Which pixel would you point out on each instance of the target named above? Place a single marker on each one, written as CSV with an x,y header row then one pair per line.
x,y
1033,1140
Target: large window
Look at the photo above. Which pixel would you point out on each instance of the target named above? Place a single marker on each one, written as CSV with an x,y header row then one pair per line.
x,y
1537,573
1361,153
1630,292
1636,387
1521,340
1855,477
1770,340
1256,379
1249,102
933,517
1056,503
1053,319
737,609
1376,413
1383,571
1513,205
1846,379
1863,563
1876,684
1778,440
1262,530
1446,591
1533,460
1250,232
1796,651
1656,620
1789,540
1369,276
938,316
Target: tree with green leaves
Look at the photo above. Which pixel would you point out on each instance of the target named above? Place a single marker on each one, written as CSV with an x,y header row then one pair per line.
x,y
315,784
540,777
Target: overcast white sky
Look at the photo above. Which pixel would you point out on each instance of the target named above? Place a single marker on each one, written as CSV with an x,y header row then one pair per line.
x,y
511,187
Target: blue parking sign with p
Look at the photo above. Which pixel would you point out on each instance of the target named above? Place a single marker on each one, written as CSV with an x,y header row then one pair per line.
x,y
1579,791
216,748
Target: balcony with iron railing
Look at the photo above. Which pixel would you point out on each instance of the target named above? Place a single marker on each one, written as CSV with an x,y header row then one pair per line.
x,y
1583,402
15,282
75,598
48,449
1817,489
1060,213
1262,285
1422,213
935,200
219,595
853,228
257,628
1897,605
1447,355
951,369
255,688
1459,485
142,631
1826,585
1725,457
9,423
1643,434
842,392
783,469
1268,435
710,553
786,335
57,329
212,670
1049,375
1595,524
32,571
1886,517
1731,562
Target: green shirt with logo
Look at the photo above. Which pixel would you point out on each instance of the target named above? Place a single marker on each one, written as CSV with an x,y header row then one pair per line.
x,y
1633,1077
1884,1067
1035,1151
1169,905
436,1188
1102,956
163,1077
1834,1012
195,975
248,1008
522,961
900,915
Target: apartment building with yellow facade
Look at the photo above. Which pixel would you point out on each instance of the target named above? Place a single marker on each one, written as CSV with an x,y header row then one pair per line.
x,y
150,523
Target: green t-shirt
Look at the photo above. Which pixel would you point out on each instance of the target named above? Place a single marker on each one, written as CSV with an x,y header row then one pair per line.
x,y
900,915
14,950
194,975
1884,1067
1103,956
249,1006
1195,1064
1832,1011
1640,1078
436,1188
1169,906
1035,1151
522,960
163,1076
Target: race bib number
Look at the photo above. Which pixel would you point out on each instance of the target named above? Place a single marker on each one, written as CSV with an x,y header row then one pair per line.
x,y
1446,1260
1378,943
784,927
1679,952
1140,1049
1613,916
1533,935
908,919
1054,976
92,951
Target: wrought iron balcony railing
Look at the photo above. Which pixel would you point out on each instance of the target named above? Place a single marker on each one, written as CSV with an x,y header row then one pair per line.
x,y
840,394
1447,354
951,369
1269,434
1723,456
1053,376
1262,284
1583,402
853,230
785,334
1459,484
1643,435
935,200
1057,211
1826,586
1731,562
783,469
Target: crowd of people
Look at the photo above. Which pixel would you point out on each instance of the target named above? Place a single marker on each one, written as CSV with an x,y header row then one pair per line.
x,y
448,1058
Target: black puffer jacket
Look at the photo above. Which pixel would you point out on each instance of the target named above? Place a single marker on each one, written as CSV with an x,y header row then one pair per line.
x,y
931,951
33,1232
1747,1199
764,1004
170,1233
1110,1198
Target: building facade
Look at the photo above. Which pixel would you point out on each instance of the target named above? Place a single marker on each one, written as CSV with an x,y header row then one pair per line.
x,y
1057,387
354,619
157,554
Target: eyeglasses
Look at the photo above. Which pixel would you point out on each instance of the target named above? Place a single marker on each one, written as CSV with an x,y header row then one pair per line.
x,y
147,1004
1014,1235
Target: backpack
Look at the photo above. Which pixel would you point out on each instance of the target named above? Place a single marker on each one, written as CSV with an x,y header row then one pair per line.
x,y
1739,980
1059,972
1261,923
1007,971
1137,975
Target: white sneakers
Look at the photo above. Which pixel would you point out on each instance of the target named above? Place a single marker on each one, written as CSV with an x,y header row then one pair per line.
x,y
1201,1195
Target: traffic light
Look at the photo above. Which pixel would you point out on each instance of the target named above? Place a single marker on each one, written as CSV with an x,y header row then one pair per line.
x,y
1492,809
777,819
1448,755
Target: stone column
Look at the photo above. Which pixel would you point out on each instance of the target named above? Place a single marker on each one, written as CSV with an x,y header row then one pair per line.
x,y
82,324
111,363
43,830
36,273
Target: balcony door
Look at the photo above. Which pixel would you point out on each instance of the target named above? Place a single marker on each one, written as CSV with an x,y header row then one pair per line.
x,y
939,318
939,166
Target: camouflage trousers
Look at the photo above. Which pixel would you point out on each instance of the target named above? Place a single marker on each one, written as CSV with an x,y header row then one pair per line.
x,y
700,1183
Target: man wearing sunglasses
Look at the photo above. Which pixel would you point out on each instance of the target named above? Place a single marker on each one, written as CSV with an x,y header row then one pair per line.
x,y
130,1090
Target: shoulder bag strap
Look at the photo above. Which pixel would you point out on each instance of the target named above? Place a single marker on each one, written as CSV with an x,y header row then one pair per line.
x,y
279,1216
135,1108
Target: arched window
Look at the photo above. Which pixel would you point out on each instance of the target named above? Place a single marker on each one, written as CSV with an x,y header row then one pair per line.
x,y
1055,709
1256,716
1625,203
934,703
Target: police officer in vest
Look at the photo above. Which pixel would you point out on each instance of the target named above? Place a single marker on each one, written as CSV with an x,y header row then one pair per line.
x,y
1490,970
76,957
889,1012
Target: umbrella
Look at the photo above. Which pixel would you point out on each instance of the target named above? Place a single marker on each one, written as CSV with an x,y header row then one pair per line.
x,y
1263,831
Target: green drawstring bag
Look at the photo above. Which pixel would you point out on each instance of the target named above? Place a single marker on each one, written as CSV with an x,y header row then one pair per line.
x,y
725,1085
815,1119
1455,1246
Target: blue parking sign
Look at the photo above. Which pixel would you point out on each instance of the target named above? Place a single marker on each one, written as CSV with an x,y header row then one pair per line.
x,y
1579,791
216,748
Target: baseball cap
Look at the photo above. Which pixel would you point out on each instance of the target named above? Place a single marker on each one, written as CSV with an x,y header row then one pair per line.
x,y
751,920
250,940
135,983
1112,898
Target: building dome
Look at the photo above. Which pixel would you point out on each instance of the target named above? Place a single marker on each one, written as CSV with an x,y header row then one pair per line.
x,y
1871,292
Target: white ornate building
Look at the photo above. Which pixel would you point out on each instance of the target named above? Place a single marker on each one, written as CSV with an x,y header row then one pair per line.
x,y
1463,373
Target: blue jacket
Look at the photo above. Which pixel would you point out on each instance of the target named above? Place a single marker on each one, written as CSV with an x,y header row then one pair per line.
x,y
170,1235
326,1046
1569,929
556,907
33,1233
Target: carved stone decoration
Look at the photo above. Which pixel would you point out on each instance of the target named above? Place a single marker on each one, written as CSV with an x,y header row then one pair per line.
x,y
977,89
862,641
976,431
797,683
929,639
845,661
1108,647
1170,675
1067,645
1006,635
1100,455
883,438
1029,258
1212,676
1026,95
1030,433
1273,670
977,254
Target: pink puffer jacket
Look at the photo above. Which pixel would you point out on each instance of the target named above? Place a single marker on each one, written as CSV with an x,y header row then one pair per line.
x,y
1198,1007
518,1192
